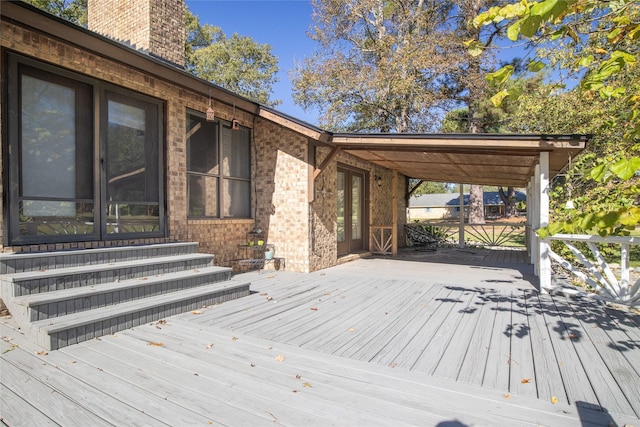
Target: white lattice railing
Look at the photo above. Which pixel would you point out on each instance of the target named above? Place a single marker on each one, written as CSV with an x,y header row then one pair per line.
x,y
597,273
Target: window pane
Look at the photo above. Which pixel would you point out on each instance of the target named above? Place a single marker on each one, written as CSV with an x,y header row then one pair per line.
x,y
46,218
48,140
341,207
236,156
126,157
202,145
356,197
237,199
203,196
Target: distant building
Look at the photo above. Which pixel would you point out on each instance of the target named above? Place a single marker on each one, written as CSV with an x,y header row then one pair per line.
x,y
447,205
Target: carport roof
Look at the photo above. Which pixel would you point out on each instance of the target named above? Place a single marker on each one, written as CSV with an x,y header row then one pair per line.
x,y
487,159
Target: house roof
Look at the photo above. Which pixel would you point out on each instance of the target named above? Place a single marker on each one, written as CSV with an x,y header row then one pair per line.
x,y
488,159
453,199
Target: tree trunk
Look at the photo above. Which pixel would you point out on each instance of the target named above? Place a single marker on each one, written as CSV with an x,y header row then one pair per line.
x,y
476,204
509,200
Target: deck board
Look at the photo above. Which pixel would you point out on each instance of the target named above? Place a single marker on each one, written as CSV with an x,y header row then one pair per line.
x,y
470,332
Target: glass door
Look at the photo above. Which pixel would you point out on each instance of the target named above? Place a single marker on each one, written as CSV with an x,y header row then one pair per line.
x,y
131,166
351,218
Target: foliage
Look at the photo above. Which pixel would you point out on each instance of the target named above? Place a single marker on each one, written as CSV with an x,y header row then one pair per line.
x,y
237,63
598,43
382,66
430,187
72,10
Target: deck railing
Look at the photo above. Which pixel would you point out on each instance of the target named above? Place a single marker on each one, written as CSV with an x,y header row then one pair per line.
x,y
596,272
496,233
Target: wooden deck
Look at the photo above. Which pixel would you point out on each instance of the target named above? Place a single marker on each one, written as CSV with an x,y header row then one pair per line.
x,y
446,338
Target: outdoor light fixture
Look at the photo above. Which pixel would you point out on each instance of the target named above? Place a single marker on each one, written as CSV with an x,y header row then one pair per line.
x,y
235,125
211,115
378,180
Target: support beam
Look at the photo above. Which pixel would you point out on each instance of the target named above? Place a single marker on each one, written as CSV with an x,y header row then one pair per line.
x,y
415,187
332,155
461,218
544,247
394,214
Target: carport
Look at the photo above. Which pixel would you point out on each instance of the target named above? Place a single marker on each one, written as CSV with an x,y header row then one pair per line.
x,y
522,161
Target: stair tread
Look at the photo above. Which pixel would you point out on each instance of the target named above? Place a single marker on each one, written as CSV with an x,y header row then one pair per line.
x,y
83,269
56,324
87,291
108,249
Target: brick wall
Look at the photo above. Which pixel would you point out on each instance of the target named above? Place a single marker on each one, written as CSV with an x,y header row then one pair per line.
x,y
152,26
303,232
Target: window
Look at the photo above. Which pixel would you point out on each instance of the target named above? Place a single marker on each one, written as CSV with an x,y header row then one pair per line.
x,y
84,157
218,169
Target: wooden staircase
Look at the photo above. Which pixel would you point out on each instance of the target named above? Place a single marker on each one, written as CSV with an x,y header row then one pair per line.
x,y
62,298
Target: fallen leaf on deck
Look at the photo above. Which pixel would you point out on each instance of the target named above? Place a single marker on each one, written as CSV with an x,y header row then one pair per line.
x,y
41,353
572,336
196,312
352,329
195,270
264,294
13,347
270,277
279,358
161,322
210,345
298,377
253,365
506,396
234,339
393,364
155,344
269,298
144,278
117,280
327,293
314,308
294,391
306,384
525,381
554,400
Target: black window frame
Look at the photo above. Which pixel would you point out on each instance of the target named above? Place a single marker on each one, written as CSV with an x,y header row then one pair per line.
x,y
220,176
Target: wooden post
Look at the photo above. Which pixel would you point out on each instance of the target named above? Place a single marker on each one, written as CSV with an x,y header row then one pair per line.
x,y
461,218
544,247
394,214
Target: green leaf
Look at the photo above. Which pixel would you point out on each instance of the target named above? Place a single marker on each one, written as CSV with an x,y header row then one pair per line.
x,y
555,228
513,30
535,66
626,168
598,173
543,233
586,61
500,76
475,48
544,8
497,99
530,25
629,216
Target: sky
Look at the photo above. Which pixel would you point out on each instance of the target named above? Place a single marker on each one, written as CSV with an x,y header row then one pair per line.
x,y
282,24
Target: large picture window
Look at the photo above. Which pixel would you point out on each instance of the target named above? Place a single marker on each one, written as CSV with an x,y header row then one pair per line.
x,y
218,169
84,157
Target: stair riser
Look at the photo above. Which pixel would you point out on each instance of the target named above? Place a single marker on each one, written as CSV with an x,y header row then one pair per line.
x,y
19,263
89,278
79,304
86,332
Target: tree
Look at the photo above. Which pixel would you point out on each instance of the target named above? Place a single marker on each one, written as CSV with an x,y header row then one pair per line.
x,y
378,66
599,43
237,63
72,10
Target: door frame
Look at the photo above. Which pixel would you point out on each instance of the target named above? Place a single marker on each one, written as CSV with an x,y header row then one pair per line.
x,y
347,247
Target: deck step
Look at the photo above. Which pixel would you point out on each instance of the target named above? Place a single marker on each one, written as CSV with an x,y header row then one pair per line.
x,y
62,331
31,282
37,261
45,305
66,297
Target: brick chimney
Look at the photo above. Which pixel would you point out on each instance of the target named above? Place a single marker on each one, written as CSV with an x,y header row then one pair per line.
x,y
152,26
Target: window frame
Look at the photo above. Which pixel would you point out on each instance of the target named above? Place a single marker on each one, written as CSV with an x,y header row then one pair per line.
x,y
221,177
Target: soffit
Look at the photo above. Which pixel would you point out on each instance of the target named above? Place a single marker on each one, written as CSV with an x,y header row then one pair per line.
x,y
487,159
